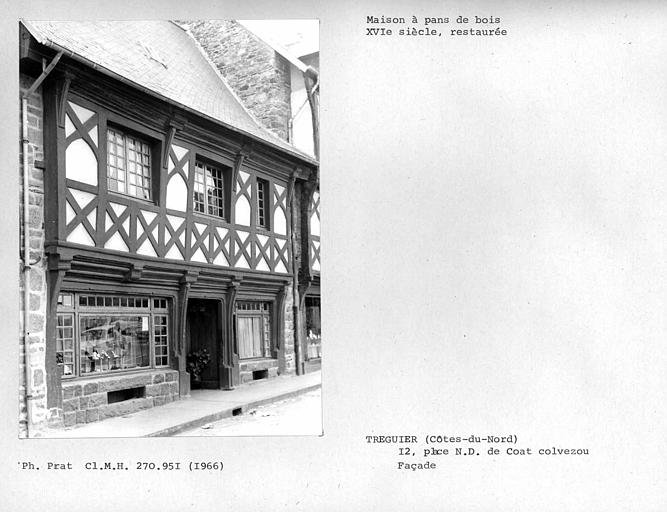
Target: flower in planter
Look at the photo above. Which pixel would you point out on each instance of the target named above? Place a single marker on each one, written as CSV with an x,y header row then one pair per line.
x,y
198,361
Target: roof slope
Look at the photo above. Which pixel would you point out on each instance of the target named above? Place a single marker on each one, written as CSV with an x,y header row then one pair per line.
x,y
159,56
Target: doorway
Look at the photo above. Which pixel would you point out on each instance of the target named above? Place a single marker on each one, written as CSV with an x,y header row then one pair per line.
x,y
204,331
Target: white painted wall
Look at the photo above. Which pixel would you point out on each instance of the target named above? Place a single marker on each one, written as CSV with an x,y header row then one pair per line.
x,y
302,128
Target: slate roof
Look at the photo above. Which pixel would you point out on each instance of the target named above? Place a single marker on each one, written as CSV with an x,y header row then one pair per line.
x,y
162,58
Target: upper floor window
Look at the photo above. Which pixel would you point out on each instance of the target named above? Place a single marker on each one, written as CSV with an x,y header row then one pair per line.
x,y
128,164
262,218
209,190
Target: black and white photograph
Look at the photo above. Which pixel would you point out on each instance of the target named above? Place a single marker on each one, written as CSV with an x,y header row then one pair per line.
x,y
170,226
466,200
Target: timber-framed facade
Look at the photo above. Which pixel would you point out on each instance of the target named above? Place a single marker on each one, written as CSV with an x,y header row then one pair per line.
x,y
166,232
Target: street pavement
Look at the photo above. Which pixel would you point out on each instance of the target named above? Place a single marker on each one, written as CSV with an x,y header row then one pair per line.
x,y
299,415
203,407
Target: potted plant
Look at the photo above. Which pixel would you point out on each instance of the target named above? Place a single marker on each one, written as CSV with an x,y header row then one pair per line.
x,y
197,362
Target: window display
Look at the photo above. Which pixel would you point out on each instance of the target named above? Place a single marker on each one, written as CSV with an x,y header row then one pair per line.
x,y
111,333
313,328
113,343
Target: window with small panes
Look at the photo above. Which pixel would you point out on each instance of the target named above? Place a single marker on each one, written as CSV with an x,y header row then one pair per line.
x,y
100,334
262,209
128,164
209,190
253,329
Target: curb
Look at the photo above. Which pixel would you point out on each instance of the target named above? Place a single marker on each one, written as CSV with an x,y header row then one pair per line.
x,y
232,411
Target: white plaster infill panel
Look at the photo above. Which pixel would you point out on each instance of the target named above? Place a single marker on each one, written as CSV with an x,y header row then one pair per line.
x,y
242,211
81,112
147,249
179,151
81,163
80,158
177,193
280,267
280,221
80,234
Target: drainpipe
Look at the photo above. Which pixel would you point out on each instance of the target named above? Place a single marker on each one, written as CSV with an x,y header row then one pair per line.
x,y
295,283
26,236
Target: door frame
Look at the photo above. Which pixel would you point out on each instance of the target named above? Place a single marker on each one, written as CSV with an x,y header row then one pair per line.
x,y
221,330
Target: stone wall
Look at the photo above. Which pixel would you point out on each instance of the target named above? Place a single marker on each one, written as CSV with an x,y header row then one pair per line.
x,y
287,361
269,367
256,73
40,415
86,401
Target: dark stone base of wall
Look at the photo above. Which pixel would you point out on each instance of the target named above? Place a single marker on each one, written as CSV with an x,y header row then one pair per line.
x,y
258,369
87,400
312,365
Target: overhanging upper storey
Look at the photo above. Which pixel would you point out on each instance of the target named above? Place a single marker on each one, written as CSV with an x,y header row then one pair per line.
x,y
143,162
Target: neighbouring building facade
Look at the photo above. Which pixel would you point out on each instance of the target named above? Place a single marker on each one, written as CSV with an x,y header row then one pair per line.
x,y
281,89
160,219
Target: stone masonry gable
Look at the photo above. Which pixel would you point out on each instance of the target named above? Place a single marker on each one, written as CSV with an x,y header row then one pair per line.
x,y
259,76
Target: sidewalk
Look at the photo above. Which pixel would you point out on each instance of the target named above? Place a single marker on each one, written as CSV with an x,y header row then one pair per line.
x,y
203,406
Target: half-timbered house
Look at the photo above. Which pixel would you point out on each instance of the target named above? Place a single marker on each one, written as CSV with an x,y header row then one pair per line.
x,y
280,86
160,220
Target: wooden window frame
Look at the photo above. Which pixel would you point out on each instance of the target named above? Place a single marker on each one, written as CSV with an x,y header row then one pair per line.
x,y
262,204
142,148
264,312
207,158
61,339
219,177
155,141
152,307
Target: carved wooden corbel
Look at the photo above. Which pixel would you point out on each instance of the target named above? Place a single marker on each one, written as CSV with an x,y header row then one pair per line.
x,y
242,154
58,265
62,90
291,184
173,126
134,273
305,280
230,370
188,278
232,290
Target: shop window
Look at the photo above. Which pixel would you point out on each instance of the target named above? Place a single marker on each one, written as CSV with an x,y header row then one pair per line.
x,y
253,329
128,164
113,342
209,190
313,327
160,329
108,333
262,218
65,344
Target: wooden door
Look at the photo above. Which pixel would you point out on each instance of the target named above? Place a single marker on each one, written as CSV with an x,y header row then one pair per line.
x,y
204,331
